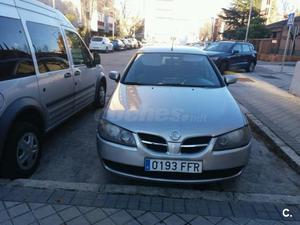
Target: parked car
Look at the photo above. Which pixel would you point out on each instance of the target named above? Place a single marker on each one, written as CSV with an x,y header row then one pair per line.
x,y
47,74
134,43
232,55
101,44
127,44
118,45
196,133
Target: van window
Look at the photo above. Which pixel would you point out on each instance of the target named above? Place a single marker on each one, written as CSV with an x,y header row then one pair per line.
x,y
15,57
80,54
49,47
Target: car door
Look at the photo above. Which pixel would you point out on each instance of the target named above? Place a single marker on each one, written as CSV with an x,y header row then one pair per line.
x,y
84,70
236,57
56,83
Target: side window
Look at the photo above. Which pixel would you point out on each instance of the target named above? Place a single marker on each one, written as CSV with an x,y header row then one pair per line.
x,y
15,57
246,48
79,52
49,47
237,47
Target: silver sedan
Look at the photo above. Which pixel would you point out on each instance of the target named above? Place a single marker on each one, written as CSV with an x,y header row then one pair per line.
x,y
172,118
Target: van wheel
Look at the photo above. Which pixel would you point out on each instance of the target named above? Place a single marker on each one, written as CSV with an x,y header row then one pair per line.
x,y
100,95
22,152
251,67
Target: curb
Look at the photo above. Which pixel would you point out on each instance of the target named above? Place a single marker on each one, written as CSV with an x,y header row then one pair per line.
x,y
156,191
278,145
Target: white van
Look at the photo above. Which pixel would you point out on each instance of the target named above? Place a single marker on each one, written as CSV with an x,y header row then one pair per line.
x,y
47,74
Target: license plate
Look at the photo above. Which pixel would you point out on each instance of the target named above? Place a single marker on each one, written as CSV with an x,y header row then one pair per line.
x,y
164,165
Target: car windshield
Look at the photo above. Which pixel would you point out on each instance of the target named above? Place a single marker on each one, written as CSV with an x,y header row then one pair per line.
x,y
97,39
172,69
219,47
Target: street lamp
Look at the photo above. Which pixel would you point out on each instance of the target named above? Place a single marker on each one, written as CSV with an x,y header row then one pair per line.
x,y
249,20
53,4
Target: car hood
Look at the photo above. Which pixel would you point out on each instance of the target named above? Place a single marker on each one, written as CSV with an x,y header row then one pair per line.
x,y
162,110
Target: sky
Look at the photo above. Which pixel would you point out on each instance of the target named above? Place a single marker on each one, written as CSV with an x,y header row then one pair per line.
x,y
210,8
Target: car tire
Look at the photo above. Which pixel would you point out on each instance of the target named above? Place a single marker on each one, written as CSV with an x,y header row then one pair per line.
x,y
100,98
251,67
22,151
223,67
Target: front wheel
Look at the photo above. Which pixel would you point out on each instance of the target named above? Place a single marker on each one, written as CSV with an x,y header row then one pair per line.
x,y
100,95
251,67
22,151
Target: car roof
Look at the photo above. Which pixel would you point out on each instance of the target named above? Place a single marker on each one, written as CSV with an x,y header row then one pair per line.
x,y
169,49
234,42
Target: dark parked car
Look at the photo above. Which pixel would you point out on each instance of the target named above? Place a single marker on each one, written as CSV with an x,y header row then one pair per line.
x,y
232,55
118,45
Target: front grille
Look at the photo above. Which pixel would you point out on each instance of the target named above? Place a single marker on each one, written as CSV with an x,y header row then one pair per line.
x,y
140,171
195,144
154,142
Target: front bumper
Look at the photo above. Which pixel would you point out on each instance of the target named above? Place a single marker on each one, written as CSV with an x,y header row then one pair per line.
x,y
129,162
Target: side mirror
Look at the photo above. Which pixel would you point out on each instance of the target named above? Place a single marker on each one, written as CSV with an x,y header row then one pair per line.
x,y
230,79
97,58
114,75
235,52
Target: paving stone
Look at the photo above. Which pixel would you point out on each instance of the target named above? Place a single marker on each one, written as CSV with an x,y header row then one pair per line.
x,y
240,221
69,213
200,220
133,202
78,221
136,213
174,220
51,220
1,206
24,219
121,217
95,215
187,217
226,221
60,207
148,219
8,222
261,222
145,203
9,204
109,211
106,221
132,222
35,205
161,215
43,211
213,219
85,209
3,216
18,210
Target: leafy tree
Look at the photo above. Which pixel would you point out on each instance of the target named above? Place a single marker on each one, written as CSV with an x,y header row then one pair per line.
x,y
236,19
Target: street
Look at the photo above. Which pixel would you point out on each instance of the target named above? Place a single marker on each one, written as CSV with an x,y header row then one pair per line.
x,y
70,154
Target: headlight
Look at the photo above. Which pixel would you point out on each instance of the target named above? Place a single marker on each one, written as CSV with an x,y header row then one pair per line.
x,y
113,133
214,58
234,139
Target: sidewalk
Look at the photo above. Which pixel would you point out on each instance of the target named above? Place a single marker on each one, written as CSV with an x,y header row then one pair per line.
x,y
273,106
27,205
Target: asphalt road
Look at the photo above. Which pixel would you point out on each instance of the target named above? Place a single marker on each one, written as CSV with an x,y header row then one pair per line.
x,y
70,155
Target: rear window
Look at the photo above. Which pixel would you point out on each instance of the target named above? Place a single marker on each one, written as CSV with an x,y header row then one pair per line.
x,y
172,69
15,57
97,39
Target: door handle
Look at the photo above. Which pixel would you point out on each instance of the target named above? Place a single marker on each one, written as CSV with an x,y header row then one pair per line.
x,y
77,73
67,75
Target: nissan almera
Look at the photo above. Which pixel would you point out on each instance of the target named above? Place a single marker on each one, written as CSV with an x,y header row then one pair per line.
x,y
172,118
